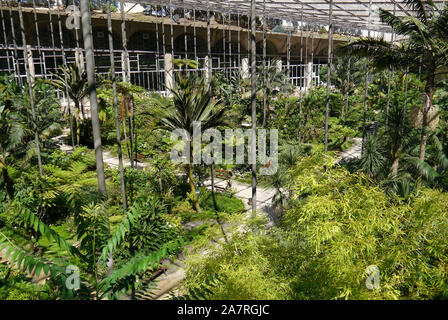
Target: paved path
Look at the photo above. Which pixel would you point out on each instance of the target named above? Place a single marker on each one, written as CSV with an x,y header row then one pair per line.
x,y
167,283
175,274
352,153
108,159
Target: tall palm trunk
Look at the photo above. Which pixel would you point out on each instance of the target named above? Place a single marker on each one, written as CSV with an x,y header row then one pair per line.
x,y
429,92
83,112
131,131
212,176
115,103
90,67
77,123
191,180
428,95
395,161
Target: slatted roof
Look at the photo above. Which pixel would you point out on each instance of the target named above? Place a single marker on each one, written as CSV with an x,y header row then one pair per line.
x,y
346,13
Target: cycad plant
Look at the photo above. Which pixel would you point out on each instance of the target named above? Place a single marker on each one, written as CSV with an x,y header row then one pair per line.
x,y
424,48
193,103
75,81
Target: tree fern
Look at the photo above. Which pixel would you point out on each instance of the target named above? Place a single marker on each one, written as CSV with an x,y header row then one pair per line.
x,y
119,281
121,231
204,291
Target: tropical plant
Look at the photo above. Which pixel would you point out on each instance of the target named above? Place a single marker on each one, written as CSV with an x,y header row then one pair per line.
x,y
424,48
193,103
96,244
12,127
70,78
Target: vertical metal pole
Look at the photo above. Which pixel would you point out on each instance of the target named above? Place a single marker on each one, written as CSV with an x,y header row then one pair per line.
x,y
64,62
158,80
171,31
185,40
90,68
15,63
229,40
306,62
405,99
163,12
329,64
312,60
347,87
52,34
254,103
195,36
239,51
126,70
288,56
41,59
209,48
30,89
264,65
389,80
115,105
78,55
366,89
127,78
4,37
302,84
223,44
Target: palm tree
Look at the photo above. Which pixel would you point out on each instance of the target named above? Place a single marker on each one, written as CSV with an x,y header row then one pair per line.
x,y
126,90
425,47
12,130
70,78
192,103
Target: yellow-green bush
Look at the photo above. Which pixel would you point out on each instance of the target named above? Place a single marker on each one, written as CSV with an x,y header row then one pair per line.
x,y
338,225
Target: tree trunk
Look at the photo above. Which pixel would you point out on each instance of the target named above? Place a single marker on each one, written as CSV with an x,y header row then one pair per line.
x,y
160,185
212,176
90,67
424,133
191,180
253,78
395,164
115,103
83,112
131,131
429,91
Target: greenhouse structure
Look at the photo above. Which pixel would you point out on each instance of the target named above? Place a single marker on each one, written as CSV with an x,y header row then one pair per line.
x,y
223,149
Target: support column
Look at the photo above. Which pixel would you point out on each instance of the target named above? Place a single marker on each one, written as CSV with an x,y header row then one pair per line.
x,y
169,79
79,59
125,66
329,65
309,75
29,57
208,68
278,65
245,67
90,67
253,98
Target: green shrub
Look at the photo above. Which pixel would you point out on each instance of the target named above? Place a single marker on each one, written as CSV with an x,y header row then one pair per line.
x,y
338,226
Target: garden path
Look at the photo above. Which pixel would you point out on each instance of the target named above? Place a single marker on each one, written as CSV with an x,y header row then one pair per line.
x,y
352,153
175,274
